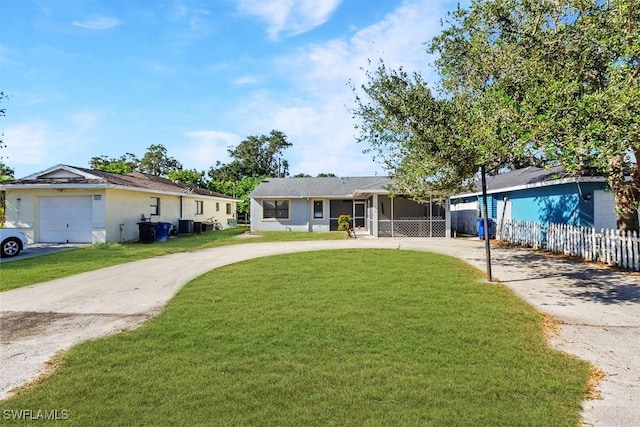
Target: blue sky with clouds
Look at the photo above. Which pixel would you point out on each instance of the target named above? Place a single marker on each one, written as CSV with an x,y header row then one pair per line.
x,y
108,77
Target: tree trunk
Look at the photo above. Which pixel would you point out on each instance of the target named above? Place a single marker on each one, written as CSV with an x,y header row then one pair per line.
x,y
625,193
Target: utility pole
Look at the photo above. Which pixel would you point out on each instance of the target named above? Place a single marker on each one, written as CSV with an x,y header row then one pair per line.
x,y
485,209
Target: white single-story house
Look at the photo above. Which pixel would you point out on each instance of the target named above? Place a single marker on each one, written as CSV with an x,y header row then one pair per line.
x,y
537,195
314,205
72,204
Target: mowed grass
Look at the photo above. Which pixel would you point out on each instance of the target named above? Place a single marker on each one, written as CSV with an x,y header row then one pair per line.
x,y
29,271
349,337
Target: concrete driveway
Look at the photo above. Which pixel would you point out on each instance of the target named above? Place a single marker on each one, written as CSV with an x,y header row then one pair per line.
x,y
599,308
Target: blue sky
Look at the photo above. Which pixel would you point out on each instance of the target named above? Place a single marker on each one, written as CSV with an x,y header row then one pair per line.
x,y
107,77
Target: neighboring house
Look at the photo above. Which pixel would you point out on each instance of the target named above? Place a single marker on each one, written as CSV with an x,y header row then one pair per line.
x,y
314,204
73,204
537,194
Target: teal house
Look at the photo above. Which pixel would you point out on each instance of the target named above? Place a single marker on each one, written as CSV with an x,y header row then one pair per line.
x,y
540,195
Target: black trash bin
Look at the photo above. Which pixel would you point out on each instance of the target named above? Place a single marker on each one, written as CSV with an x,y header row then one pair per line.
x,y
197,227
147,231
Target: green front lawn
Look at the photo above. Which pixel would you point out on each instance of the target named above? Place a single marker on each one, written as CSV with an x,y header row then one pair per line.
x,y
351,337
39,269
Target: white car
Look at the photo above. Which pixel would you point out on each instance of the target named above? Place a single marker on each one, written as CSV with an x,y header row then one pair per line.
x,y
13,242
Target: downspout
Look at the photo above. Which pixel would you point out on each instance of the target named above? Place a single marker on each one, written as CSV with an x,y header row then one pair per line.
x,y
180,207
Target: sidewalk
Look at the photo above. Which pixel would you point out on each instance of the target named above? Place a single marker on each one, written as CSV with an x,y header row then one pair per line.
x,y
599,308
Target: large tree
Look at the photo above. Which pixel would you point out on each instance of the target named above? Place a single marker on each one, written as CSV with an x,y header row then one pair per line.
x,y
190,177
571,69
553,81
255,157
124,164
157,162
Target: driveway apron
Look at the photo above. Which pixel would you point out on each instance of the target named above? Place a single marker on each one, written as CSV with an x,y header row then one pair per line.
x,y
599,308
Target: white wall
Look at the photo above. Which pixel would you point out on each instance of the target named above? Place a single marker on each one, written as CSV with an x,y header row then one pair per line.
x,y
604,215
115,212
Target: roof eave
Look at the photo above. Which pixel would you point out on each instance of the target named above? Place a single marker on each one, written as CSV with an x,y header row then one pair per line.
x,y
586,179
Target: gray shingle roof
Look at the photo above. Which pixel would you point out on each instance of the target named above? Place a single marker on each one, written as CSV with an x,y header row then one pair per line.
x,y
528,176
97,177
319,187
525,176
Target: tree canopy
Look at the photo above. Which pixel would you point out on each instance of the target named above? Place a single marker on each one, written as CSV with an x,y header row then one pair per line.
x,y
124,164
156,161
521,81
254,159
256,156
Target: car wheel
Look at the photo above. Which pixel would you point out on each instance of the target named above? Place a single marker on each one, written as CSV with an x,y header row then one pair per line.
x,y
10,247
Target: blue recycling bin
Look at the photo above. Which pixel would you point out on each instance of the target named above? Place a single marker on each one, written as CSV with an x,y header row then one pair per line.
x,y
162,231
481,228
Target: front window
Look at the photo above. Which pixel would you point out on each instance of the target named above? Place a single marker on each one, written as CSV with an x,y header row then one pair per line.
x,y
199,207
217,206
228,208
275,209
155,206
318,209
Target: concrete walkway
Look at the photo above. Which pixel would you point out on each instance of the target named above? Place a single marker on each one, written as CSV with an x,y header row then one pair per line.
x,y
599,308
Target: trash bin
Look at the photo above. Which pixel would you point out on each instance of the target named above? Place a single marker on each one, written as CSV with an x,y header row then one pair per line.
x,y
197,227
162,231
481,228
147,231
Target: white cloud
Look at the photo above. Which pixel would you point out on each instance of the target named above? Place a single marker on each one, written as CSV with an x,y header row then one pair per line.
x,y
292,17
40,142
206,147
98,23
9,56
246,80
315,115
84,121
27,143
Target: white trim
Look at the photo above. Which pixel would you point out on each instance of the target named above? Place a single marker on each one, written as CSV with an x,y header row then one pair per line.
x,y
111,187
262,218
61,167
313,209
534,185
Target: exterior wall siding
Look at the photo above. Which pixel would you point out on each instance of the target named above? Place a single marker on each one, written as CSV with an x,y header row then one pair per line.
x,y
299,217
560,204
115,212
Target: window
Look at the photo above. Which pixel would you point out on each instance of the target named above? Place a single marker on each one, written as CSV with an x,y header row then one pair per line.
x,y
155,206
318,209
217,207
275,209
228,208
199,207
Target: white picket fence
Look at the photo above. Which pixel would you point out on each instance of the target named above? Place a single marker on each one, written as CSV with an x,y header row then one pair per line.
x,y
613,247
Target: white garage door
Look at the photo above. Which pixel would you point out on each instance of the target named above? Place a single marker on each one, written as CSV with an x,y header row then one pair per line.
x,y
65,219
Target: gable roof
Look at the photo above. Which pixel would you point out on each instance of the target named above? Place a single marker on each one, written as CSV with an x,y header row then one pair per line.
x,y
320,187
529,177
65,176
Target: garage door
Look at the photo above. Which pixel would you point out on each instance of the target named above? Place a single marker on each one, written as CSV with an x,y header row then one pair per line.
x,y
65,219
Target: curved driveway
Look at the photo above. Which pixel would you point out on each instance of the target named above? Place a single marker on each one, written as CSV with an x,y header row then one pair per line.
x,y
599,308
